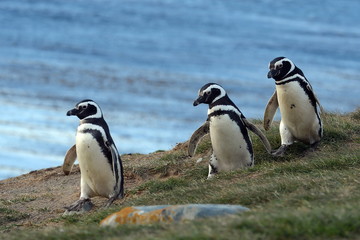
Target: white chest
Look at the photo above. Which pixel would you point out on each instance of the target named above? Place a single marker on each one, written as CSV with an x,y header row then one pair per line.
x,y
294,103
94,166
297,112
228,143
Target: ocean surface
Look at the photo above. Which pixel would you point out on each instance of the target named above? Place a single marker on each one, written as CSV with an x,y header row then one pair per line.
x,y
144,61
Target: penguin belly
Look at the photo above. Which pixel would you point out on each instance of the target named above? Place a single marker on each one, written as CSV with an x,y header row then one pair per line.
x,y
229,145
297,112
94,166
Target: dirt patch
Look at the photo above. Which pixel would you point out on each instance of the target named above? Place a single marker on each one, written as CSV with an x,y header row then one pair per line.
x,y
40,196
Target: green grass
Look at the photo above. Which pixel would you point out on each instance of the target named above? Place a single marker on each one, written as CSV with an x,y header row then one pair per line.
x,y
304,195
8,215
170,184
20,199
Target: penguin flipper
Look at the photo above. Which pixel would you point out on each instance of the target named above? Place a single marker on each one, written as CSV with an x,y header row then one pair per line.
x,y
258,132
270,111
316,99
118,189
196,136
69,160
113,154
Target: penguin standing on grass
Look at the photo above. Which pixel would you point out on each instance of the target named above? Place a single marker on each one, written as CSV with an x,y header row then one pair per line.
x,y
300,116
100,163
232,147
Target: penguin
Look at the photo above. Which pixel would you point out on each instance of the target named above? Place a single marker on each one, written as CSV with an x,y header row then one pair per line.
x,y
99,161
299,106
228,127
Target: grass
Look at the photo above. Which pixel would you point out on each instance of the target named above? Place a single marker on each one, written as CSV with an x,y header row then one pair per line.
x,y
20,199
8,215
304,195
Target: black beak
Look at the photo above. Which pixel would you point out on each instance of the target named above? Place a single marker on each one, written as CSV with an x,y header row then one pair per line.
x,y
72,112
199,100
273,73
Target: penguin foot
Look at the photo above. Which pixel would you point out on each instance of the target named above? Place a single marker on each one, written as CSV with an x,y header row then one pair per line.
x,y
81,205
314,146
280,151
110,201
211,176
113,198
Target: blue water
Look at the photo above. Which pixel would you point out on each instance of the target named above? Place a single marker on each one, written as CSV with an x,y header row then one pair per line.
x,y
144,61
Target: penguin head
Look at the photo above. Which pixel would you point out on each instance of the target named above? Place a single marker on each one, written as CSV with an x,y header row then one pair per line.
x,y
280,67
210,93
86,109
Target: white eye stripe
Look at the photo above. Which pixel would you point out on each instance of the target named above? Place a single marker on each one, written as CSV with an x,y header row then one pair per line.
x,y
209,90
281,63
84,105
222,94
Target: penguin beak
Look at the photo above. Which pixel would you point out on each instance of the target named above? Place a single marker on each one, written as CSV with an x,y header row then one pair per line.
x,y
72,112
273,73
199,100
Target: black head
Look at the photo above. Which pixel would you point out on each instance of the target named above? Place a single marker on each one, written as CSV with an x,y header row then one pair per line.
x,y
280,67
86,109
210,93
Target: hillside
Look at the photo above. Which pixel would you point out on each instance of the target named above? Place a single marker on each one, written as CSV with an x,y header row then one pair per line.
x,y
306,194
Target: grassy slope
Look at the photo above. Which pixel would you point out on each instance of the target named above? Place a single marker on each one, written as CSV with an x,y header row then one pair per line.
x,y
306,194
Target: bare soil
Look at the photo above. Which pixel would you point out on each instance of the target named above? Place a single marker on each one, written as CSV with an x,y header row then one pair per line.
x,y
42,195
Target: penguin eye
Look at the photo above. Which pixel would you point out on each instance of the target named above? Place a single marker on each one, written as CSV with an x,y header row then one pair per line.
x,y
280,65
82,107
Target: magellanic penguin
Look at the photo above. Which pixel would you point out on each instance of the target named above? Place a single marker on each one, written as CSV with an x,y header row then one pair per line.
x,y
99,161
231,143
299,106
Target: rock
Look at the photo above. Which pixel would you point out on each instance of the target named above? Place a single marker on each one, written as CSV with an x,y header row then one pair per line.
x,y
169,213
